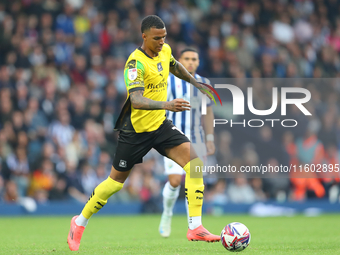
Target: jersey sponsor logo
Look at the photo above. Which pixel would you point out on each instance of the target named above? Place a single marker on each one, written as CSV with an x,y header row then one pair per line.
x,y
131,64
132,74
159,67
158,86
123,163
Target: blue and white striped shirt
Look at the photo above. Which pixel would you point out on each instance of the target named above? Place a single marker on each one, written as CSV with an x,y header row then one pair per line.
x,y
189,122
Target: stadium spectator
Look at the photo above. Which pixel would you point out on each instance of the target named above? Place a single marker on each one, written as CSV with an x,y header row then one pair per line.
x,y
257,185
218,194
239,191
11,192
75,188
88,179
276,183
59,190
60,131
42,181
17,163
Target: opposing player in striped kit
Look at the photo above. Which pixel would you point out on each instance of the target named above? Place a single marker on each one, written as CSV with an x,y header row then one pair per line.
x,y
188,122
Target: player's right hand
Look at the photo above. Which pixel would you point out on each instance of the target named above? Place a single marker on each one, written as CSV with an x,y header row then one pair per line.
x,y
178,105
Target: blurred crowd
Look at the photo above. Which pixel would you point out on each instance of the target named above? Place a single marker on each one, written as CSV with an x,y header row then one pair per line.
x,y
62,87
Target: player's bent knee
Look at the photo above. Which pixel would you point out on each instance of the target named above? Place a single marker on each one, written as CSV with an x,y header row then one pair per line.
x,y
106,189
194,168
119,176
175,180
109,187
193,153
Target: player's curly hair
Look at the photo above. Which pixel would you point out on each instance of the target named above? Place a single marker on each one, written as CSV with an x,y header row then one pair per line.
x,y
152,21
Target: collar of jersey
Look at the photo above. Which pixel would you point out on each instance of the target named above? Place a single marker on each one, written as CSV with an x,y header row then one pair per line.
x,y
146,54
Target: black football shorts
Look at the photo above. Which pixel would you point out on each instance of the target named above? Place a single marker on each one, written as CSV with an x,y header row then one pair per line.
x,y
132,147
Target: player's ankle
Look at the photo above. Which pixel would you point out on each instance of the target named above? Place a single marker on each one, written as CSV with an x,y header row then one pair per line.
x,y
81,220
195,222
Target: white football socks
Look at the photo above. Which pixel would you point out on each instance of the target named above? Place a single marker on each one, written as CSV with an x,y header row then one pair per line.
x,y
170,195
81,220
195,222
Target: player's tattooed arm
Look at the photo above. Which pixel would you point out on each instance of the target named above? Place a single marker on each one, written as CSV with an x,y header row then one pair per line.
x,y
179,71
138,101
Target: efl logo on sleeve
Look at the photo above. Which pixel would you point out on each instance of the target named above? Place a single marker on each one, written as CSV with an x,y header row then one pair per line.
x,y
132,74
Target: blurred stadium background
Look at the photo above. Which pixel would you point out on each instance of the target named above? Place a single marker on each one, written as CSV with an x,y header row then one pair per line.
x,y
62,87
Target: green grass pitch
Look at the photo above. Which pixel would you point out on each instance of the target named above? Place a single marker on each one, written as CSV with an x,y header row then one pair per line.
x,y
139,235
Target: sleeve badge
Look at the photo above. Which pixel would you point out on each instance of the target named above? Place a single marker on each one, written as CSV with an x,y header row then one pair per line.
x,y
132,74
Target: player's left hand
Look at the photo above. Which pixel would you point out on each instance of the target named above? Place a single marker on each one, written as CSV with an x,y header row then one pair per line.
x,y
210,147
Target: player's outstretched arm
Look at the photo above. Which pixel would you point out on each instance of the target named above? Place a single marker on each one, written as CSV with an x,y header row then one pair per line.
x,y
179,71
138,101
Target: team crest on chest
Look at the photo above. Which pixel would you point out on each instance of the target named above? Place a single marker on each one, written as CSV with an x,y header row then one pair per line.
x,y
132,74
159,67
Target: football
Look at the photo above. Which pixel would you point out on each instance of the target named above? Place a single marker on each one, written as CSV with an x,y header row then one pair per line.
x,y
235,237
